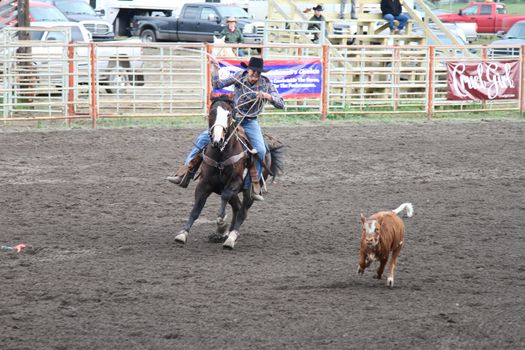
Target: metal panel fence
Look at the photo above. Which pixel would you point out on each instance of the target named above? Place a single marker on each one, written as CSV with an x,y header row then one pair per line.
x,y
61,80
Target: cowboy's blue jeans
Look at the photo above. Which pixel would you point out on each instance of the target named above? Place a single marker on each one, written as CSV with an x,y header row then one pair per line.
x,y
402,18
253,132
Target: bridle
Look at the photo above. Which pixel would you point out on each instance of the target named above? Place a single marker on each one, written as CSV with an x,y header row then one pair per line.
x,y
226,124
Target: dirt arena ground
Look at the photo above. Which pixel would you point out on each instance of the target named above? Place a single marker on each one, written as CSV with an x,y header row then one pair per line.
x,y
104,272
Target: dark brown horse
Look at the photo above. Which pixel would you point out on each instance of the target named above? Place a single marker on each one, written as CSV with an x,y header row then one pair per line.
x,y
222,172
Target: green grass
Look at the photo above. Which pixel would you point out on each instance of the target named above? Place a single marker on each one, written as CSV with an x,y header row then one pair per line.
x,y
266,121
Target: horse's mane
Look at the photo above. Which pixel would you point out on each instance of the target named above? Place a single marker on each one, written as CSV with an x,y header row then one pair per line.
x,y
216,99
222,97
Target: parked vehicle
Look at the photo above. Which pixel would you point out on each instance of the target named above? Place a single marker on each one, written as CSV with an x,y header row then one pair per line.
x,y
197,23
490,17
80,11
43,12
514,37
118,68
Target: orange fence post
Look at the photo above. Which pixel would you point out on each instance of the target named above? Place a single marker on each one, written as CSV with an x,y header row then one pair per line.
x,y
71,83
94,84
324,94
430,103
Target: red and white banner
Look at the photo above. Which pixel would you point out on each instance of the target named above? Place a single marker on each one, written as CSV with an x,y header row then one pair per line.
x,y
497,80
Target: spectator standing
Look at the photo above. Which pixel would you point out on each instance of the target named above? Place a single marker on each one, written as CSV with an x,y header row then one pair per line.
x,y
232,34
317,17
392,11
353,7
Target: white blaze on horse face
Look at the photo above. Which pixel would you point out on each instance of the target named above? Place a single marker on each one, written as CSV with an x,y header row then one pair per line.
x,y
221,124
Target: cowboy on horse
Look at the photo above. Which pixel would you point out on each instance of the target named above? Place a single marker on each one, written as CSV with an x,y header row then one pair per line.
x,y
251,92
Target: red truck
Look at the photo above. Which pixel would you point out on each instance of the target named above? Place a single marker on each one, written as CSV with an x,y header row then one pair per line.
x,y
489,16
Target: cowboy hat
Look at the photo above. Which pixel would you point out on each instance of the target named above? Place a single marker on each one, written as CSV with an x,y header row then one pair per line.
x,y
256,64
318,8
231,19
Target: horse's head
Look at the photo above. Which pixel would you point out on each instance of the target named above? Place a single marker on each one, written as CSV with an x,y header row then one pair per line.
x,y
220,119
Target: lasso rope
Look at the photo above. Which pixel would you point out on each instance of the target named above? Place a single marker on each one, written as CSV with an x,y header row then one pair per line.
x,y
256,103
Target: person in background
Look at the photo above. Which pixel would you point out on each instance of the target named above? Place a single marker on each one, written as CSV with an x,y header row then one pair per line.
x,y
317,17
353,7
232,34
392,11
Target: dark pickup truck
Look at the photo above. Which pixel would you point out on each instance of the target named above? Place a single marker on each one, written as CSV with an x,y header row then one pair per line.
x,y
197,23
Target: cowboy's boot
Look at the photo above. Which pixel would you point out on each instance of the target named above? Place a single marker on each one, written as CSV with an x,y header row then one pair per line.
x,y
186,172
256,186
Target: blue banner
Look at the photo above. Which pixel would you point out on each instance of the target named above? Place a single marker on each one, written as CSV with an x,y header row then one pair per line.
x,y
301,78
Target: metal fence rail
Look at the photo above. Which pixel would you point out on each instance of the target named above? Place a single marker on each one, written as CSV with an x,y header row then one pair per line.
x,y
61,80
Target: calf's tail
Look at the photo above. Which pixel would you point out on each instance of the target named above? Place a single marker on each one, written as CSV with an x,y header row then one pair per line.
x,y
408,206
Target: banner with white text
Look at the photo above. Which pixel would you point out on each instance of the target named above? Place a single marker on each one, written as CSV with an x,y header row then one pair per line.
x,y
300,78
497,80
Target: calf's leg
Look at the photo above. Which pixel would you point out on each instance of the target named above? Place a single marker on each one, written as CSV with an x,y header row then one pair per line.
x,y
392,267
381,268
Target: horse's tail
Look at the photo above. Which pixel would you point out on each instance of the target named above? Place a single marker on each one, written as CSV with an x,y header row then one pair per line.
x,y
277,152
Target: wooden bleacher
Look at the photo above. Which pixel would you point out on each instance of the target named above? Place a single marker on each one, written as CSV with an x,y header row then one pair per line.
x,y
369,73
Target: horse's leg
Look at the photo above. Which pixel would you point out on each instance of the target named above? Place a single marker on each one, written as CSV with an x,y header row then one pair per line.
x,y
219,235
201,196
235,203
247,202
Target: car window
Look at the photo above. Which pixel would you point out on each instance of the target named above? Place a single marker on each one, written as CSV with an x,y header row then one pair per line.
x,y
206,11
501,10
58,36
486,10
471,10
47,14
191,12
517,31
232,11
37,35
76,35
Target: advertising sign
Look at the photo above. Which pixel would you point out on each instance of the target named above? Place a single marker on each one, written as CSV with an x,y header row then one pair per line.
x,y
497,80
301,78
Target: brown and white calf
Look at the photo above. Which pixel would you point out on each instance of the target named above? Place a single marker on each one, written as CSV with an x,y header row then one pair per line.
x,y
382,237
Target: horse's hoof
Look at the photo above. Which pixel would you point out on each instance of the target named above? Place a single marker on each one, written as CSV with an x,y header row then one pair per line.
x,y
181,237
230,242
222,225
390,282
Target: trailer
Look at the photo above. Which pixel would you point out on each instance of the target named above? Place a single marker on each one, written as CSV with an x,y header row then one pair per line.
x,y
120,12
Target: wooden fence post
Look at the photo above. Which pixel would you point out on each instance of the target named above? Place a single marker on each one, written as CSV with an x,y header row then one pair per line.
x,y
430,95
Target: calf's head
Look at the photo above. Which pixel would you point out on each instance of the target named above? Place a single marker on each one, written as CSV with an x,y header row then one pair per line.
x,y
370,229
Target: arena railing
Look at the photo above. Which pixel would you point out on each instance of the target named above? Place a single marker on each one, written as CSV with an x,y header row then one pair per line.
x,y
87,81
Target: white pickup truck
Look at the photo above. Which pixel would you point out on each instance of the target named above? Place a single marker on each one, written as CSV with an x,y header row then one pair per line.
x,y
118,66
